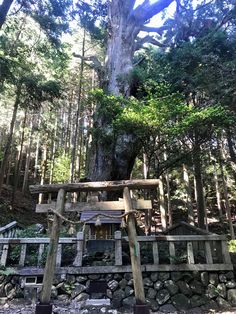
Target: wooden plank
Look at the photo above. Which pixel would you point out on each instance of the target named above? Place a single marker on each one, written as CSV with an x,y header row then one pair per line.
x,y
172,252
40,253
80,249
179,238
118,248
190,253
52,251
134,250
11,225
209,258
225,252
155,253
4,255
94,186
124,269
35,240
81,206
58,257
22,254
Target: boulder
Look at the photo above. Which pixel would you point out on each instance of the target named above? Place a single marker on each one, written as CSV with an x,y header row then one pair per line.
x,y
230,284
223,304
62,297
113,285
147,282
176,275
152,304
163,276
231,296
167,308
128,276
211,305
205,278
222,290
82,297
128,291
151,294
158,285
171,287
118,277
197,287
214,279
212,291
181,302
123,283
184,288
222,278
162,296
229,275
197,301
81,279
154,277
129,302
78,288
118,296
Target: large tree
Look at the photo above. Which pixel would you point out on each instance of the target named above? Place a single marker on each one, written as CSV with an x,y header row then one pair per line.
x,y
113,154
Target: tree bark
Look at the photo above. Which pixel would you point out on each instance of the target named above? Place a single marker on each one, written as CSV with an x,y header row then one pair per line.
x,y
115,160
188,195
4,9
199,188
9,140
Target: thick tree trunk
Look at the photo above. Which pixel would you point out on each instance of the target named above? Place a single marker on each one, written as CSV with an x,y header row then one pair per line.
x,y
114,160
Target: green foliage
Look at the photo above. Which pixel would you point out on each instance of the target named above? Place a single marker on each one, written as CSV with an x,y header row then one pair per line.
x,y
7,271
61,173
232,246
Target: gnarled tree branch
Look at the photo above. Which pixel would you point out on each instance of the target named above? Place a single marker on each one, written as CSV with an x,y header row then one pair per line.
x,y
4,8
150,29
146,10
148,40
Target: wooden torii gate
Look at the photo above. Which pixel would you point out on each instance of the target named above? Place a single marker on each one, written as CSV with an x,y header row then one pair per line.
x,y
126,185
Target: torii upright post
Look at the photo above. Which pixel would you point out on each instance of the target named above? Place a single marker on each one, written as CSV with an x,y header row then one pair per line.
x,y
140,307
44,307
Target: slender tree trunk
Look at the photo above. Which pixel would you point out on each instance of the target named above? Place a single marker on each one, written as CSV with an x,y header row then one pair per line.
x,y
37,145
9,140
19,159
162,203
201,210
43,170
218,196
78,113
188,195
28,160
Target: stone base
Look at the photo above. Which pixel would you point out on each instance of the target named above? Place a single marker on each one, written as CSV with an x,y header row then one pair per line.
x,y
43,309
98,302
141,309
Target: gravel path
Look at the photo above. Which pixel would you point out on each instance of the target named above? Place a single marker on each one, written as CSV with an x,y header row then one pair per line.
x,y
74,308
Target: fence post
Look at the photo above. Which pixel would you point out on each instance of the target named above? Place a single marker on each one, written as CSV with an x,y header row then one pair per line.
x,y
135,256
80,249
118,249
51,257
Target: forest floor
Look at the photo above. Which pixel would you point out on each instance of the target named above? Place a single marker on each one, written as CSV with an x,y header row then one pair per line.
x,y
22,209
74,308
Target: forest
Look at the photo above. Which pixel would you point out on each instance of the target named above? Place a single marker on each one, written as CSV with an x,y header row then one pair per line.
x,y
112,90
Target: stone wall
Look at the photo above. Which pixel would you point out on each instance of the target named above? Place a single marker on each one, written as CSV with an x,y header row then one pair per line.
x,y
164,290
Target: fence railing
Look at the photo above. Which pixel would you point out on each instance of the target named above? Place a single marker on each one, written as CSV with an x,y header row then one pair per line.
x,y
166,253
9,230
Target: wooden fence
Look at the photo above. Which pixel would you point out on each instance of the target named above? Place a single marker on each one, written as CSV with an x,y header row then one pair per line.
x,y
212,247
